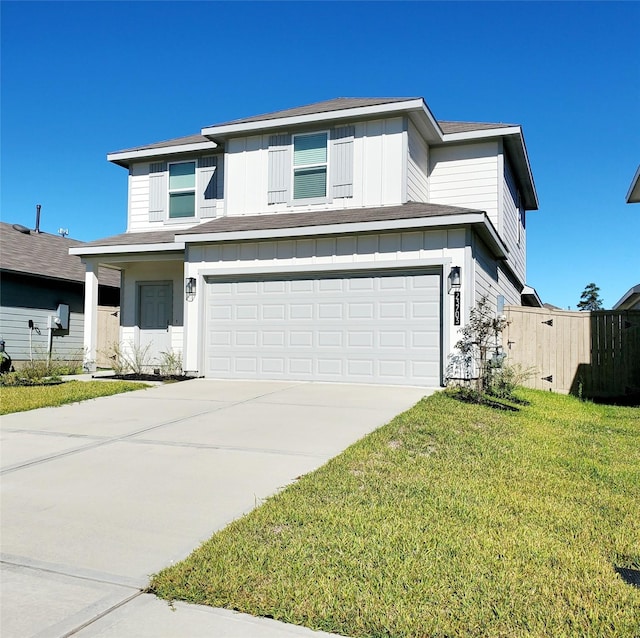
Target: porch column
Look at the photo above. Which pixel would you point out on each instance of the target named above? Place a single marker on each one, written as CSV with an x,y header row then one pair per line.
x,y
90,314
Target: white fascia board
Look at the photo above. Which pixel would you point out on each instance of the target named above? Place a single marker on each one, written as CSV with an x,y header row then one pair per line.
x,y
298,120
127,249
423,223
478,135
128,156
633,196
391,264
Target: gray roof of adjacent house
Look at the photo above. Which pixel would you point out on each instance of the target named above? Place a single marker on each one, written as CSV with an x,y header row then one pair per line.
x,y
45,255
633,195
630,300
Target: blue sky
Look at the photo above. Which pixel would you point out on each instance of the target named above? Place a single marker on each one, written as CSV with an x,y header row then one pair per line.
x,y
81,79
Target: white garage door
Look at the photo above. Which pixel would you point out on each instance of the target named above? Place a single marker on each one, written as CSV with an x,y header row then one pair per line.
x,y
381,327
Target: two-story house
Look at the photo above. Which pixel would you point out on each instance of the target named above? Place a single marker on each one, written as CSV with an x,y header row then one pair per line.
x,y
345,240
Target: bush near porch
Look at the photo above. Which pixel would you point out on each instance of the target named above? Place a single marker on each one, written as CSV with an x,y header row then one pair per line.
x,y
453,519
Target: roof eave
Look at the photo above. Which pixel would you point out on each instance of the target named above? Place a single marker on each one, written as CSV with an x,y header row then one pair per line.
x,y
231,130
628,299
479,221
633,195
125,158
123,249
514,141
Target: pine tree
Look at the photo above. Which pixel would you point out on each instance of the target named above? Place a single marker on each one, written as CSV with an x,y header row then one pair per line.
x,y
590,299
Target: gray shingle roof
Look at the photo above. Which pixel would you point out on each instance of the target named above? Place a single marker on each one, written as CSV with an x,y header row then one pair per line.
x,y
336,104
177,141
274,221
465,127
129,239
325,217
45,255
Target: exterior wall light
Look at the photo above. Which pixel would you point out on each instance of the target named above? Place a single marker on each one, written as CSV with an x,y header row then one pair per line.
x,y
454,279
190,288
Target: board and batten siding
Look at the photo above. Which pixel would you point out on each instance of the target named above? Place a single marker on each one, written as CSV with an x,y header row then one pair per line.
x,y
144,213
513,231
417,166
378,159
467,176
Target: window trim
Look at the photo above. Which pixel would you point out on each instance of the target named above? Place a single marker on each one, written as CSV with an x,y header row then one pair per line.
x,y
193,190
293,201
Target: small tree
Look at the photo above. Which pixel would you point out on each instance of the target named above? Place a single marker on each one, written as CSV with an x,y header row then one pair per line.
x,y
590,299
479,349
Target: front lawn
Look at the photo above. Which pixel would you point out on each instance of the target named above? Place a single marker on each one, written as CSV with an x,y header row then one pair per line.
x,y
452,520
21,398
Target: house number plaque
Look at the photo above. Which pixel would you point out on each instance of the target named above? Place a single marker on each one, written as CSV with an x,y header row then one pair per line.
x,y
456,308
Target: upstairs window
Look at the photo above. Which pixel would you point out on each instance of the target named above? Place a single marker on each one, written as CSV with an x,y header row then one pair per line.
x,y
310,166
182,190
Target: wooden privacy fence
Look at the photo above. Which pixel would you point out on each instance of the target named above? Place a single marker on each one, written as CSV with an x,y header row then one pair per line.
x,y
591,354
108,334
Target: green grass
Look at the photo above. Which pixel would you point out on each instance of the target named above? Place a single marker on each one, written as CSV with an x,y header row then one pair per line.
x,y
21,398
452,520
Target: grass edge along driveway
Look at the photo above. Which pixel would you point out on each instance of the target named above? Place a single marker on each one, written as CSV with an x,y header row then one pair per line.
x,y
453,519
22,398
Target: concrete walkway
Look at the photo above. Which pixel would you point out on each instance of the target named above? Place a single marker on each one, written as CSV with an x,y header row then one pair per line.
x,y
97,496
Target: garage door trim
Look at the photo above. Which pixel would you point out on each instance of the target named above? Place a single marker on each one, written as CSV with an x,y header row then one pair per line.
x,y
326,271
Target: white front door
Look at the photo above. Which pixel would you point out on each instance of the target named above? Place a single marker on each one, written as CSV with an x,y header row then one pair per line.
x,y
155,305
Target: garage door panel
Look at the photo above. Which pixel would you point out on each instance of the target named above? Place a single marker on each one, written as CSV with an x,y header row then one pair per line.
x,y
371,328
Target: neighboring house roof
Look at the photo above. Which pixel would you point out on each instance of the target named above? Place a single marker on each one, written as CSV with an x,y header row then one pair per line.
x,y
45,255
633,196
630,300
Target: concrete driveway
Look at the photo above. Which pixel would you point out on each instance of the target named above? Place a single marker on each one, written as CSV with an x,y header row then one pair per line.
x,y
97,496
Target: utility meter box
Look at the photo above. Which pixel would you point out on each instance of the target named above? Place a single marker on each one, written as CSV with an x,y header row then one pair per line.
x,y
62,316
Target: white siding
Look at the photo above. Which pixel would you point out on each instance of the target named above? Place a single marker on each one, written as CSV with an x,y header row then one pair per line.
x,y
512,230
377,176
467,176
139,199
138,215
417,167
486,273
381,249
16,333
508,288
